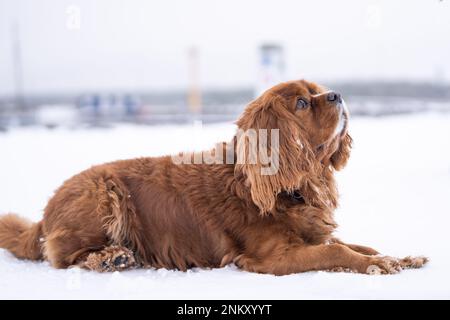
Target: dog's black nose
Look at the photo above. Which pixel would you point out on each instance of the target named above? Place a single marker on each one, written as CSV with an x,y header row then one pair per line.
x,y
334,97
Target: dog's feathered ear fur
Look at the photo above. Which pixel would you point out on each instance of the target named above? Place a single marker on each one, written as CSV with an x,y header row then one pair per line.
x,y
295,157
340,157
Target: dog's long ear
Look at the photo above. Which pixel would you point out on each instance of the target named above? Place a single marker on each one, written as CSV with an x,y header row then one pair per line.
x,y
282,156
340,156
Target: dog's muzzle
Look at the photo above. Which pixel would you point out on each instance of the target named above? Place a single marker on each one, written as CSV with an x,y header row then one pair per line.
x,y
343,116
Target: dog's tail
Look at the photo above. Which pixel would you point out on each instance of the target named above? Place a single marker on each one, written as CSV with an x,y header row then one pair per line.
x,y
21,237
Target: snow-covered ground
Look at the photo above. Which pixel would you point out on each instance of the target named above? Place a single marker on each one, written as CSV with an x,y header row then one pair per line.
x,y
395,198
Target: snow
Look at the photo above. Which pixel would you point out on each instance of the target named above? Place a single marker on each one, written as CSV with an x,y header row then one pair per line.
x,y
394,197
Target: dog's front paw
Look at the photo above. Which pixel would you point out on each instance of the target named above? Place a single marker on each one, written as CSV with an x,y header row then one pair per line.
x,y
389,265
413,262
384,265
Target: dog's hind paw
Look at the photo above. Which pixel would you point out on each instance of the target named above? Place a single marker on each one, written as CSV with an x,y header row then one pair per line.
x,y
113,258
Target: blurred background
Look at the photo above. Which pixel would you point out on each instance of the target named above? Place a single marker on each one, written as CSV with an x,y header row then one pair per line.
x,y
96,63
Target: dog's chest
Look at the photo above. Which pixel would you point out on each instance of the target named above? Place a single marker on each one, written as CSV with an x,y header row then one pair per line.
x,y
313,225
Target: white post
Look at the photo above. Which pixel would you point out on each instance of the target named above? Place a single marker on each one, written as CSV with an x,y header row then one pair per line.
x,y
270,67
194,91
17,66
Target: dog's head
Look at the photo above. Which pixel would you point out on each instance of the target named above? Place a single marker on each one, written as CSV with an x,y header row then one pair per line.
x,y
311,124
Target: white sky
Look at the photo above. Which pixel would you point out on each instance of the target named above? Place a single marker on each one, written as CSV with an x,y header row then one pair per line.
x,y
138,44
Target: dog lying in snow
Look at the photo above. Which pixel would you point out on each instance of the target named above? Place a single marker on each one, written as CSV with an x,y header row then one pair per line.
x,y
268,212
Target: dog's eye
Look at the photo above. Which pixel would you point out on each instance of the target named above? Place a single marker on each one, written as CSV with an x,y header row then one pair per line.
x,y
302,104
298,196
